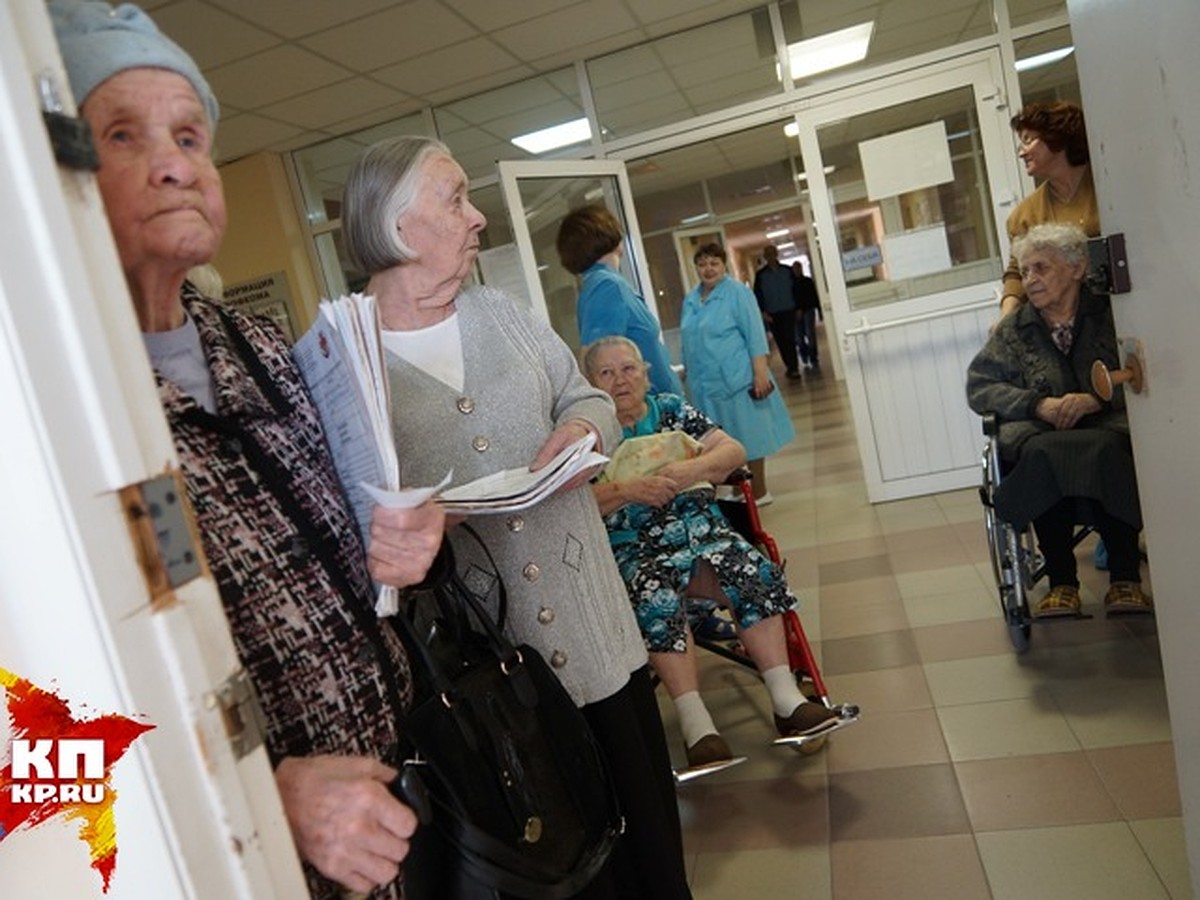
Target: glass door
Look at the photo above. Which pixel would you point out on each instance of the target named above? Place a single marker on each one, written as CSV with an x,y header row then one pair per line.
x,y
538,196
910,197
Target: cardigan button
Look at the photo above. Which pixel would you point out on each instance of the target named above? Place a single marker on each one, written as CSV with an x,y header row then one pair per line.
x,y
480,443
558,659
233,446
531,572
298,548
545,615
466,405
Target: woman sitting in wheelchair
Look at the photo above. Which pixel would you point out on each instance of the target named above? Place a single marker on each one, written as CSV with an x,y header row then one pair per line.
x,y
1068,451
670,539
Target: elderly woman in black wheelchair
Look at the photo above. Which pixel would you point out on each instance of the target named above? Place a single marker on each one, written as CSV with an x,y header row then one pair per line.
x,y
1065,453
671,540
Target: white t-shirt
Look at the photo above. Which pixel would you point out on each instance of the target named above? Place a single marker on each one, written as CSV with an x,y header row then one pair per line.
x,y
436,350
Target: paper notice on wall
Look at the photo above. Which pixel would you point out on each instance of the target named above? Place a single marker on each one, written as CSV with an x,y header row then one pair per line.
x,y
906,161
916,253
267,295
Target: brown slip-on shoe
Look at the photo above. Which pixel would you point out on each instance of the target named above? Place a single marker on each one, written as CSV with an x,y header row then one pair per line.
x,y
807,719
1126,598
1062,600
708,750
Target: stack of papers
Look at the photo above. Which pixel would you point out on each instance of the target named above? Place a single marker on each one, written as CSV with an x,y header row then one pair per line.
x,y
341,359
516,489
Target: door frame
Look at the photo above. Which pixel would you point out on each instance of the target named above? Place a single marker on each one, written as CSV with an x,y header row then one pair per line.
x,y
983,71
512,172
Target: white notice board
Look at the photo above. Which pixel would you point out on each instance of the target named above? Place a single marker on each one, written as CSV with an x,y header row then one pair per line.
x,y
906,161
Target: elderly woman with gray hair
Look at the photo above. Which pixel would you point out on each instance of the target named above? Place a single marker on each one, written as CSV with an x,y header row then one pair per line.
x,y
671,541
1069,451
480,386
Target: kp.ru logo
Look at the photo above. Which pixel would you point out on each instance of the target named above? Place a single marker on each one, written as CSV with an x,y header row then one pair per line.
x,y
38,779
60,765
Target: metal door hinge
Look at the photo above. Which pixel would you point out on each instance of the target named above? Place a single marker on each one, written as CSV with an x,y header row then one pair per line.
x,y
167,546
70,136
241,712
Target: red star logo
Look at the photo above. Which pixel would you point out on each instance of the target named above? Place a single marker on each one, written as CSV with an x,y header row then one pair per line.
x,y
41,722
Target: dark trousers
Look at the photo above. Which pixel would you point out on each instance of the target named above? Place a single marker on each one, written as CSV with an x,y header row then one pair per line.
x,y
806,336
648,859
1055,527
783,329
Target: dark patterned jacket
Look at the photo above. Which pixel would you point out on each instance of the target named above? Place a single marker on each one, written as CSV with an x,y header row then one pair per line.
x,y
298,597
1019,365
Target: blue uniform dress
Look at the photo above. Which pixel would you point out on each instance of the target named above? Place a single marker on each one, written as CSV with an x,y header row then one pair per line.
x,y
721,334
656,549
608,306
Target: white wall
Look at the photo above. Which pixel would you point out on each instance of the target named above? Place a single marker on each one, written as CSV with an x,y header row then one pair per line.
x,y
1139,70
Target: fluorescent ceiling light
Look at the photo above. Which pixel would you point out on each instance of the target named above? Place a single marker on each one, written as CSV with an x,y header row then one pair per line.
x,y
830,51
1044,59
692,220
785,246
562,135
828,170
782,232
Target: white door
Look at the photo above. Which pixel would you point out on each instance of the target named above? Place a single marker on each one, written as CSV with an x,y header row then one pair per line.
x,y
538,196
89,608
911,181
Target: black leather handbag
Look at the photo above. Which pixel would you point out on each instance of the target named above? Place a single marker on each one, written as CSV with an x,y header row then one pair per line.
x,y
520,797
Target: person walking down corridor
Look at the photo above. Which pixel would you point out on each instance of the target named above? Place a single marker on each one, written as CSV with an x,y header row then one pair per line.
x,y
773,286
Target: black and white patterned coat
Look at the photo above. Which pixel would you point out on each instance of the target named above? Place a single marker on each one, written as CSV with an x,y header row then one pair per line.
x,y
301,615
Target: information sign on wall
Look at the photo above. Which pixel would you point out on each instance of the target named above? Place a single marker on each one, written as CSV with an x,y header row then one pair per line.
x,y
266,295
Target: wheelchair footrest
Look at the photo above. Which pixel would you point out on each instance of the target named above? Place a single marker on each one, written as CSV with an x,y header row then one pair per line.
x,y
848,714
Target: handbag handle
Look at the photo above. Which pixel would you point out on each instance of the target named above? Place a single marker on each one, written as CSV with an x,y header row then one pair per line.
x,y
458,604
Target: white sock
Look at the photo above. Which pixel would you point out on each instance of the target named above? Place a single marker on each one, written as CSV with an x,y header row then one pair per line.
x,y
694,720
785,694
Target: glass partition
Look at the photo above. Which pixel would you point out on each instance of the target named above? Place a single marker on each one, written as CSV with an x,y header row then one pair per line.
x,y
1023,12
481,130
1052,75
828,38
675,78
321,168
911,199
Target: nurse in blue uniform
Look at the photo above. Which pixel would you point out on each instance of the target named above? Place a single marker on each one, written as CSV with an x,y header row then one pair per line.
x,y
725,358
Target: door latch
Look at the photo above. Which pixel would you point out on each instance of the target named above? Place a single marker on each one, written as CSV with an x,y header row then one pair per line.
x,y
241,713
1108,267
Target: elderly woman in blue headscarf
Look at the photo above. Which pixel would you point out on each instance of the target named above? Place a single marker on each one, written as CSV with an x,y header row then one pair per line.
x,y
278,535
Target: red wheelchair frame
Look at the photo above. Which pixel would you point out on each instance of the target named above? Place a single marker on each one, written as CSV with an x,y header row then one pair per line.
x,y
744,517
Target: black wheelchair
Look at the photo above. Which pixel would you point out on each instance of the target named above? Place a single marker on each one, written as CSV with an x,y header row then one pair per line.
x,y
1016,562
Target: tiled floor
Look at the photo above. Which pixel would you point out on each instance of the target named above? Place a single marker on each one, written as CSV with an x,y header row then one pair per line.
x,y
974,773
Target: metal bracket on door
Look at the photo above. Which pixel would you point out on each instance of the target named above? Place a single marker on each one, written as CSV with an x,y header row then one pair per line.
x,y
1108,266
241,713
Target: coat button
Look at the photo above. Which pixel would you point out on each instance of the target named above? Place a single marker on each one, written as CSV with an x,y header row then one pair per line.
x,y
480,443
531,572
466,405
545,615
298,548
516,523
558,659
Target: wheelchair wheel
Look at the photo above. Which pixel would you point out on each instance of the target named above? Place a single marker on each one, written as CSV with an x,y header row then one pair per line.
x,y
1019,630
